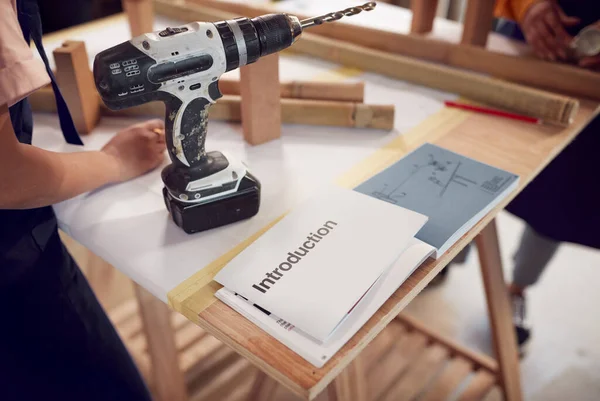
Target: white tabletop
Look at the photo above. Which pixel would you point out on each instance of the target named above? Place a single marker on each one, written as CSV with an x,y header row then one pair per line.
x,y
128,224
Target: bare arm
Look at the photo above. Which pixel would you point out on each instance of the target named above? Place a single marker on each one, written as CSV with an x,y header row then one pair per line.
x,y
31,177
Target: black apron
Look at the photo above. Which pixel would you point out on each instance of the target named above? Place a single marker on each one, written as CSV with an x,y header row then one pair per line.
x,y
24,233
56,342
562,202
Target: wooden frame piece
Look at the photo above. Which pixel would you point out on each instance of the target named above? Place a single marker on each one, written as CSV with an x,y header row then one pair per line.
x,y
423,15
477,26
76,84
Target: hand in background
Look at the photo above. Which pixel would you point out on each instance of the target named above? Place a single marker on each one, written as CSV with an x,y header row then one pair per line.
x,y
591,62
544,28
137,149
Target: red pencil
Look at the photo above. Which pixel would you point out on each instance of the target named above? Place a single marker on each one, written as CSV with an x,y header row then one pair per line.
x,y
499,113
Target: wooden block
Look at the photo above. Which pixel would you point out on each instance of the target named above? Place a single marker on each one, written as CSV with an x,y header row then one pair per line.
x,y
77,85
478,22
423,15
140,14
261,101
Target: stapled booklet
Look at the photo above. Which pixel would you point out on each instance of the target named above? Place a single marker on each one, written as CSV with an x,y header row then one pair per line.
x,y
316,353
314,266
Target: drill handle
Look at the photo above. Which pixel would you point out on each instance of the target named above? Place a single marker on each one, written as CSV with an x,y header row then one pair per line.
x,y
186,124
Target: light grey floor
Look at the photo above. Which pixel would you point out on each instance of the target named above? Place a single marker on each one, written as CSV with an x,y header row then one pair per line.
x,y
563,358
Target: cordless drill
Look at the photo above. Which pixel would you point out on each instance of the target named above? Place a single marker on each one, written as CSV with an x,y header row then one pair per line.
x,y
181,67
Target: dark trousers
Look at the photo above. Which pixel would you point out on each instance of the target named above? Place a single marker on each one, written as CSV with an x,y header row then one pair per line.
x,y
56,342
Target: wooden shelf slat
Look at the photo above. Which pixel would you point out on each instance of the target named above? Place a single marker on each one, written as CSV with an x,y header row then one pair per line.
x,y
396,361
405,363
382,344
207,364
418,378
455,372
478,359
479,386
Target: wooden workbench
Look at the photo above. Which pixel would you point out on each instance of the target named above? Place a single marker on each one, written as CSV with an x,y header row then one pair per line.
x,y
127,225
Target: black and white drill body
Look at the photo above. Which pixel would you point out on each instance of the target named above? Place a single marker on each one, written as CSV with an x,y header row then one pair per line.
x,y
181,67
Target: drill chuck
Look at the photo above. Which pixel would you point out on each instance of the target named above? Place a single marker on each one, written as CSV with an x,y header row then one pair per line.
x,y
276,32
246,40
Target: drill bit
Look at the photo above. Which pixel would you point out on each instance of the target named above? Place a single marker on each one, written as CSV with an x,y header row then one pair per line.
x,y
307,23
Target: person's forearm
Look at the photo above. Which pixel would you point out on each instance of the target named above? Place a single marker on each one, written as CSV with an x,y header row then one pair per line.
x,y
33,177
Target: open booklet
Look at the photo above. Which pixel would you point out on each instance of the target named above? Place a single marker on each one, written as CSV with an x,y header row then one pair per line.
x,y
315,264
317,353
321,272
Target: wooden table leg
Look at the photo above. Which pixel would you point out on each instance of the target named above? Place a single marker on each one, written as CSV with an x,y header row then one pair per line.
x,y
350,385
167,378
499,308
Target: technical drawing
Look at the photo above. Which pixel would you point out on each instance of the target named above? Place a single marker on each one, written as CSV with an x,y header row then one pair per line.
x,y
442,173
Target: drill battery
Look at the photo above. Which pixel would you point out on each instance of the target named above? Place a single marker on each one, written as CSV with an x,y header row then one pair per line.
x,y
197,217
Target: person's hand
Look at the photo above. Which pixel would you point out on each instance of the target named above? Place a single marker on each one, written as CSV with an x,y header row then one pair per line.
x,y
544,28
591,62
137,149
